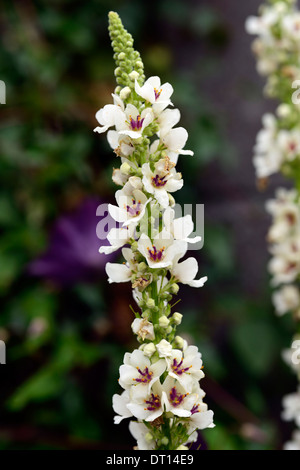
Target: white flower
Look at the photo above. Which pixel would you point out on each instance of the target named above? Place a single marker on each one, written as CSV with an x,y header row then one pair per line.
x,y
186,367
294,443
132,123
285,212
161,181
180,228
142,435
164,348
175,140
118,177
284,266
201,417
261,25
175,398
109,114
186,271
289,143
291,405
286,299
131,205
147,408
138,374
291,356
268,158
143,328
158,95
168,119
117,238
120,403
121,272
161,252
121,144
291,26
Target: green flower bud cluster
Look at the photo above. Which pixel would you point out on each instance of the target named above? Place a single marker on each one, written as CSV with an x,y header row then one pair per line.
x,y
129,65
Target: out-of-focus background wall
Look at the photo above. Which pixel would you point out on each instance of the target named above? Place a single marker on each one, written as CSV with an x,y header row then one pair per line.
x,y
66,329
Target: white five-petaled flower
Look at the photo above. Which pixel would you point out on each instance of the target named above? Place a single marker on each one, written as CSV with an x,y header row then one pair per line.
x,y
121,144
161,252
131,205
175,398
109,115
201,417
139,374
121,272
131,122
291,407
143,328
147,407
186,271
174,140
185,366
268,158
161,181
155,93
117,238
144,438
120,403
180,228
286,299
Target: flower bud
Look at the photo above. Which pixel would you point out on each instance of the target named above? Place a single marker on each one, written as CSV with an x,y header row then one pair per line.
x,y
134,75
142,267
149,349
177,318
164,321
125,168
125,92
179,341
148,437
150,303
174,288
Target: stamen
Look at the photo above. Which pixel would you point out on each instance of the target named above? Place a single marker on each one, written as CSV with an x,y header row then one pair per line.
x,y
157,93
195,409
176,398
158,181
146,376
177,367
153,402
156,255
136,124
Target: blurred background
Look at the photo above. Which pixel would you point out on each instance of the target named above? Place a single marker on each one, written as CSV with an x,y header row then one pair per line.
x,y
65,328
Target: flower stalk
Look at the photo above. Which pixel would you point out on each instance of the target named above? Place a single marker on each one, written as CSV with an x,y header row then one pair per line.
x,y
160,380
277,150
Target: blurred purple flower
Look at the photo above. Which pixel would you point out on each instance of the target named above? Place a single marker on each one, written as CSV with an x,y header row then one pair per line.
x,y
73,252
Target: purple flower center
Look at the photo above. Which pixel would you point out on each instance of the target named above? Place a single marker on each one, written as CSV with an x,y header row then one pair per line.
x,y
157,93
135,209
145,376
176,398
136,124
153,403
177,367
195,409
156,255
158,181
